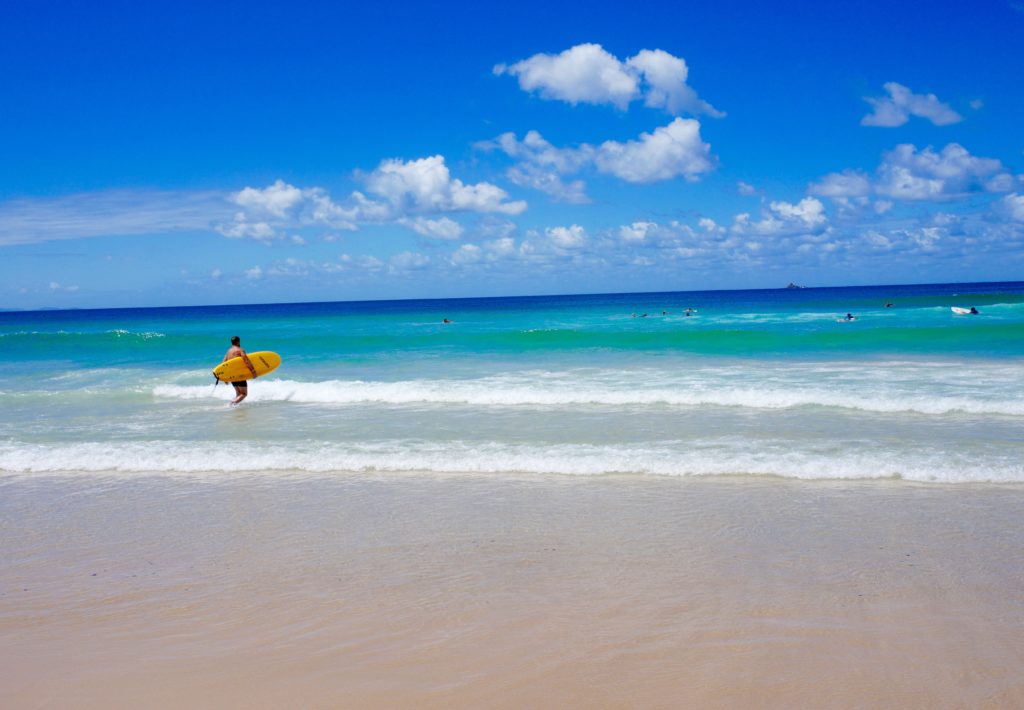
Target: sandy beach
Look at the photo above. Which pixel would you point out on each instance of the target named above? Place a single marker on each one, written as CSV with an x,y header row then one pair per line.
x,y
508,591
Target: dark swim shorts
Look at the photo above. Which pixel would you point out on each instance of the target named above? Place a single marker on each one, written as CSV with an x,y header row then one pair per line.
x,y
244,384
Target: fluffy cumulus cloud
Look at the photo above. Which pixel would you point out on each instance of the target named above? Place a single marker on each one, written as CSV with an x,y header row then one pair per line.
x,y
268,212
587,73
408,261
540,165
1014,206
664,77
849,183
426,185
413,193
637,232
671,151
572,237
675,150
784,218
467,254
902,103
441,228
908,174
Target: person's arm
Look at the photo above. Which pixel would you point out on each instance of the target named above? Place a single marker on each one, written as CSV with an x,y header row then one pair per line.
x,y
245,359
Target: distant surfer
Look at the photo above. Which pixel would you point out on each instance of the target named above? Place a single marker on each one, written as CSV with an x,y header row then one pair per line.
x,y
973,311
850,316
241,387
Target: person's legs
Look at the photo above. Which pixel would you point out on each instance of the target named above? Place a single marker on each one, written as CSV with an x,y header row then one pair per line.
x,y
241,389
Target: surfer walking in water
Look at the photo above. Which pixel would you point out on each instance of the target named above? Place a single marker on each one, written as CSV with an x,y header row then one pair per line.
x,y
241,387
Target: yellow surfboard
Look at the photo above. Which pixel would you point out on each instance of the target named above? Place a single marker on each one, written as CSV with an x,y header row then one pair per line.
x,y
246,368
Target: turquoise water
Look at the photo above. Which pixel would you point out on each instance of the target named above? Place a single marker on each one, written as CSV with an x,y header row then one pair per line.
x,y
768,382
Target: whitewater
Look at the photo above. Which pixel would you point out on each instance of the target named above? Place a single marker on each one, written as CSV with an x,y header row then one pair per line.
x,y
753,383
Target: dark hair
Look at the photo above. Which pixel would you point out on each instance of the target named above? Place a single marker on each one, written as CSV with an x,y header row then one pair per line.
x,y
235,340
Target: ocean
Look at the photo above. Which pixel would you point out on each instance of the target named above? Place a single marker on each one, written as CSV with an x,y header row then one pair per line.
x,y
750,383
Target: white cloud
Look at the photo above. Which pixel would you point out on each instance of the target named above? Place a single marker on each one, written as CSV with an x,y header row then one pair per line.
x,y
501,248
268,212
584,73
54,286
849,183
809,211
254,273
1014,206
637,231
901,103
665,77
466,254
240,227
277,200
110,213
708,224
745,188
908,174
408,261
441,228
572,237
587,73
548,181
784,218
535,149
216,274
426,185
402,189
541,164
671,151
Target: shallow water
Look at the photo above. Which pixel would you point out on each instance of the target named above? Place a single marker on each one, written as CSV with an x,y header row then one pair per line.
x,y
752,383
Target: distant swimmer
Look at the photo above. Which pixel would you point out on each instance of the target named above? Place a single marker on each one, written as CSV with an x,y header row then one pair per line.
x,y
850,316
241,387
446,321
973,311
888,305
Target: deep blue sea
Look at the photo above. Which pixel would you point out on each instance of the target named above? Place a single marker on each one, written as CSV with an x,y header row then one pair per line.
x,y
754,382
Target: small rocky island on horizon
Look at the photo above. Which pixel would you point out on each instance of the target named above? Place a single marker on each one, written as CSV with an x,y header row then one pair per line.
x,y
793,285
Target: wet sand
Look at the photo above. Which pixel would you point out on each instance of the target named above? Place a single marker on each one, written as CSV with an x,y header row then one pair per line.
x,y
466,591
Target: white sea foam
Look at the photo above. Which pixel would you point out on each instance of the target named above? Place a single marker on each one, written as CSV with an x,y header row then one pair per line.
x,y
918,392
722,457
145,335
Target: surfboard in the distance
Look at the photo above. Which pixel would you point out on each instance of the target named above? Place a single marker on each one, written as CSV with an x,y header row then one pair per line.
x,y
960,311
237,369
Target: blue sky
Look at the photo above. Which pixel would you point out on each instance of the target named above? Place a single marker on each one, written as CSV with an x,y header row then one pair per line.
x,y
176,153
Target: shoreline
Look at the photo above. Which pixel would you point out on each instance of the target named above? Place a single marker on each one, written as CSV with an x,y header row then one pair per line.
x,y
384,590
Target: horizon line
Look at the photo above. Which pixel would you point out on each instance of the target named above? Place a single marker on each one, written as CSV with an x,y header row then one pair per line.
x,y
498,298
